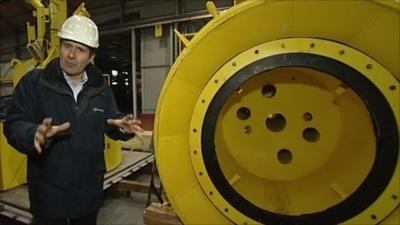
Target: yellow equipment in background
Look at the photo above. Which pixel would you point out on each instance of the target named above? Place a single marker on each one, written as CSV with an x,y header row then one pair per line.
x,y
291,116
13,163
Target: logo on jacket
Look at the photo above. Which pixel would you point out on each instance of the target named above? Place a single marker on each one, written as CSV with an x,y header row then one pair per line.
x,y
97,110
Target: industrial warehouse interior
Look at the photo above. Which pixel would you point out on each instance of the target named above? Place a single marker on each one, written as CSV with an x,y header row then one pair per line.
x,y
119,112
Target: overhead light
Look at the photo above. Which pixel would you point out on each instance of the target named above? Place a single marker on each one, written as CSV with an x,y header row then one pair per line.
x,y
114,73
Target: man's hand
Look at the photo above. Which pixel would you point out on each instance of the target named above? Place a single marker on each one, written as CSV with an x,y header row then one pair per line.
x,y
129,124
45,131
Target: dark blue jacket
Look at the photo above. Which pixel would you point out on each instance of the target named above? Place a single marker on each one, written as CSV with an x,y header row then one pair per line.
x,y
66,180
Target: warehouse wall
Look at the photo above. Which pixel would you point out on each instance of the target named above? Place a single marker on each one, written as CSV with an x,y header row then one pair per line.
x,y
156,61
157,53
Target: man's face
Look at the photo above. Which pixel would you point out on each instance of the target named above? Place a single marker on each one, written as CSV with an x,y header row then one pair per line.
x,y
74,57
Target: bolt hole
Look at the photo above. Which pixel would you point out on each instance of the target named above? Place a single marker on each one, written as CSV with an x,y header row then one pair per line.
x,y
268,90
312,45
247,129
311,134
392,87
195,152
307,116
234,64
283,45
211,193
201,173
216,81
285,156
374,217
194,130
203,101
394,197
226,210
369,66
341,52
256,51
275,122
243,113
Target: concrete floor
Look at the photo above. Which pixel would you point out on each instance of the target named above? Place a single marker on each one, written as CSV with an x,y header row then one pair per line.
x,y
123,211
126,210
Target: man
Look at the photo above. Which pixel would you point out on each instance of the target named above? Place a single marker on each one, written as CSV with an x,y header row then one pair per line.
x,y
58,118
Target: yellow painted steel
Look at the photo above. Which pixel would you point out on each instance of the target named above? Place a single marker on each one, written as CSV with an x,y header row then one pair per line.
x,y
12,165
112,153
293,171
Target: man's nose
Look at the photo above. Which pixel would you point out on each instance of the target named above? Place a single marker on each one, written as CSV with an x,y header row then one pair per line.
x,y
71,53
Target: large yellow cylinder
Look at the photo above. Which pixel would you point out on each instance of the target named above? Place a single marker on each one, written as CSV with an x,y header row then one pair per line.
x,y
291,116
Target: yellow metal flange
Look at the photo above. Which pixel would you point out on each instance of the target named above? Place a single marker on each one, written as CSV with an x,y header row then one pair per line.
x,y
281,130
288,133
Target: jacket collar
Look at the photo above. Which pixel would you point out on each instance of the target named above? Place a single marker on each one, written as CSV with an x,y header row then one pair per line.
x,y
52,74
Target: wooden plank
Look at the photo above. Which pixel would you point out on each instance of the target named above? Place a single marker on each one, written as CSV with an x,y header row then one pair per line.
x,y
156,214
130,185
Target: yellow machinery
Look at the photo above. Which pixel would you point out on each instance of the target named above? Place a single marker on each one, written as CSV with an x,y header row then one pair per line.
x,y
13,163
291,116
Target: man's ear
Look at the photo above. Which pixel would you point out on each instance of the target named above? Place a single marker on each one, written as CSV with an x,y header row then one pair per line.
x,y
92,58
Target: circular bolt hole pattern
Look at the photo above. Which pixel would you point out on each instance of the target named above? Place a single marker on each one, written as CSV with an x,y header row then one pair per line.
x,y
285,156
243,113
392,87
307,116
275,122
373,216
268,90
311,134
247,129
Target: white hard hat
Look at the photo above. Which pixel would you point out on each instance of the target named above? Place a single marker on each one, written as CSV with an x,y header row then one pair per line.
x,y
80,29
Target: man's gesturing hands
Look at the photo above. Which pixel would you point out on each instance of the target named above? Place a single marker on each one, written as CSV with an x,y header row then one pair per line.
x,y
45,131
129,124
